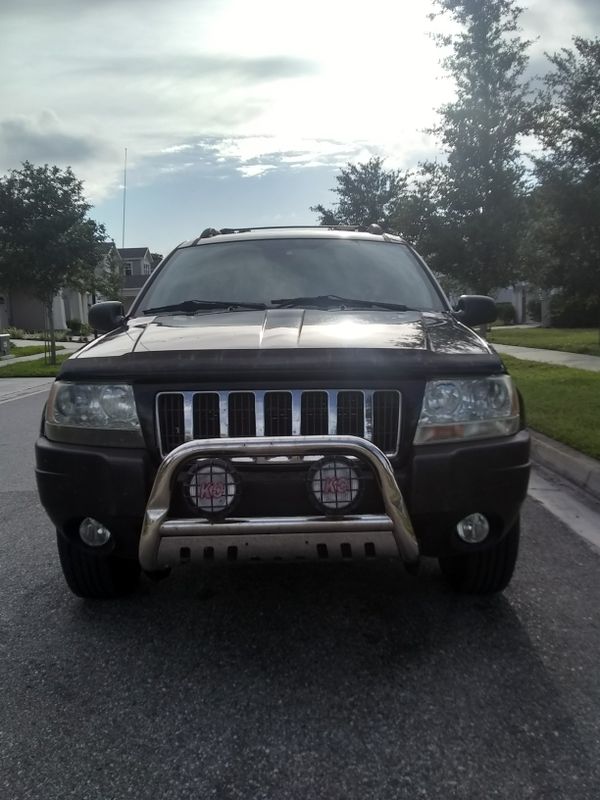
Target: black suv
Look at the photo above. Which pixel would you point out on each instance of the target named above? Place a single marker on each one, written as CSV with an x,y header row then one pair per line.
x,y
285,393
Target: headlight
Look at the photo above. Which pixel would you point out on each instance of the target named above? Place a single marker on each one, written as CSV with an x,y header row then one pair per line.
x,y
95,413
118,404
470,408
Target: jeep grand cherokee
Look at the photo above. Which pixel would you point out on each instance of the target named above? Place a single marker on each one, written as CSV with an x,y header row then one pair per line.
x,y
285,394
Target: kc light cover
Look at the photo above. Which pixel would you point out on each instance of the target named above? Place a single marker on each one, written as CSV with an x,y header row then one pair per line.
x,y
212,486
334,484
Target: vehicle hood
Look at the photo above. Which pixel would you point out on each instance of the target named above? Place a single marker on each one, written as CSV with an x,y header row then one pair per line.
x,y
283,337
290,329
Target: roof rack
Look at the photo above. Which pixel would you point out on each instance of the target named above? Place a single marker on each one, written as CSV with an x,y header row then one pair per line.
x,y
373,228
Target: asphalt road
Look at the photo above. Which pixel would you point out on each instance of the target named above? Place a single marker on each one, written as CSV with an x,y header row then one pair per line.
x,y
293,682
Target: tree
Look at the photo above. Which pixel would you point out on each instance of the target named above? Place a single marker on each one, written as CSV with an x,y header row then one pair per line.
x,y
47,241
156,259
366,193
108,276
475,197
565,249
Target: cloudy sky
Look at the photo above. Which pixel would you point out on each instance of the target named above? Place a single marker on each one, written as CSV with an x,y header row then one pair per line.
x,y
233,112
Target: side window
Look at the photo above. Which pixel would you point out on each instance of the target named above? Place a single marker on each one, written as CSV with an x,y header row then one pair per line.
x,y
128,268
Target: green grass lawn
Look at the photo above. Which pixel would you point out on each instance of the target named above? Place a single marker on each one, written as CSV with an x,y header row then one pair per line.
x,y
30,349
32,369
562,402
569,340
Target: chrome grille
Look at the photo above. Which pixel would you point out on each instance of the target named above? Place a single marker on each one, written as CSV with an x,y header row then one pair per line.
x,y
207,423
314,414
351,413
371,414
171,422
242,414
386,412
278,414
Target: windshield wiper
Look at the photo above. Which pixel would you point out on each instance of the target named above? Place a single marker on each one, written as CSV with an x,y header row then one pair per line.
x,y
330,300
190,306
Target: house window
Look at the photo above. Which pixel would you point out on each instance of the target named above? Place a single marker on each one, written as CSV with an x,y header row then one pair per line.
x,y
147,269
128,268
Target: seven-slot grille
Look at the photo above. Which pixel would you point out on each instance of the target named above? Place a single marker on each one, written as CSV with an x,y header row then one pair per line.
x,y
372,414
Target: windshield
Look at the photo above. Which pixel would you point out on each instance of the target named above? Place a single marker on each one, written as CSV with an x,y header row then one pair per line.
x,y
263,270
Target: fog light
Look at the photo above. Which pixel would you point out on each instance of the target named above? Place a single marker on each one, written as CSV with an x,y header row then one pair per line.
x,y
473,529
334,484
93,533
211,486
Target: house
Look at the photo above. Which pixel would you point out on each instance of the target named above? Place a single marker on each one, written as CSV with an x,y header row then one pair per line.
x,y
518,295
28,312
137,266
22,310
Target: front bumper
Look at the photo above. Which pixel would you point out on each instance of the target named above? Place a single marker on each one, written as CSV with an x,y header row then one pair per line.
x,y
437,485
164,540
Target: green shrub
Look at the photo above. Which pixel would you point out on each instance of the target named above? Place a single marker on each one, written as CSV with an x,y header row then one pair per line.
x,y
571,311
35,336
506,313
534,309
74,325
15,333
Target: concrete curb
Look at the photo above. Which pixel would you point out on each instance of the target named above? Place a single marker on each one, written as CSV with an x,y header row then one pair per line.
x,y
581,470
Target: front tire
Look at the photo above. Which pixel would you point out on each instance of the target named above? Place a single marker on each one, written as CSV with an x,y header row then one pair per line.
x,y
97,577
485,572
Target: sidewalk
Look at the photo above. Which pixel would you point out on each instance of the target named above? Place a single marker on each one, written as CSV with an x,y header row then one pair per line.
x,y
577,360
71,346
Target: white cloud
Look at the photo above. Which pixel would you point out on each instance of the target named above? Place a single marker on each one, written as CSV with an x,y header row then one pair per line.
x,y
287,148
255,170
169,169
177,148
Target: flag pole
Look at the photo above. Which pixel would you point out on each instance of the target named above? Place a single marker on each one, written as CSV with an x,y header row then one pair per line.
x,y
124,197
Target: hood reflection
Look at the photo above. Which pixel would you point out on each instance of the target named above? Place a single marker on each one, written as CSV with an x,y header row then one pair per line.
x,y
291,329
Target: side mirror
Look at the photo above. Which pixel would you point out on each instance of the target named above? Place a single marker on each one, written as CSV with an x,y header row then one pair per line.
x,y
475,309
105,317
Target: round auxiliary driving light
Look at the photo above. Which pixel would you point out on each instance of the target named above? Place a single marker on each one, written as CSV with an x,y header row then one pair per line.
x,y
211,486
93,533
334,484
473,529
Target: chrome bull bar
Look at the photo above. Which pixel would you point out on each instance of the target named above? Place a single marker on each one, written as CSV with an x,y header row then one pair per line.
x,y
158,529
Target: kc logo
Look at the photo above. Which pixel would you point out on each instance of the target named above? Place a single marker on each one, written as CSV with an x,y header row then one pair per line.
x,y
336,486
212,490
